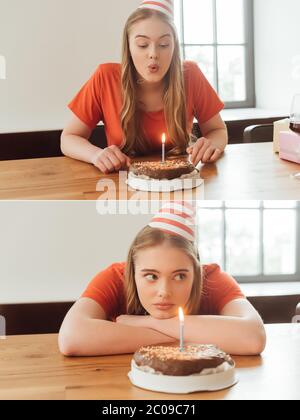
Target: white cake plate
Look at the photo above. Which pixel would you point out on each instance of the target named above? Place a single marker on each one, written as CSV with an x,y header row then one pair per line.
x,y
182,384
154,185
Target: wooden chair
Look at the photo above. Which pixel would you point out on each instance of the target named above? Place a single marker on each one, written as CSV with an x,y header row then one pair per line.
x,y
259,133
46,318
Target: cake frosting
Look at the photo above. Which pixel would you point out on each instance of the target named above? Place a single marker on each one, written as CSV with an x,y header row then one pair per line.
x,y
170,169
194,360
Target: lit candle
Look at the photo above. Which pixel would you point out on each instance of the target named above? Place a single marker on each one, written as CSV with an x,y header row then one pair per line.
x,y
181,321
163,148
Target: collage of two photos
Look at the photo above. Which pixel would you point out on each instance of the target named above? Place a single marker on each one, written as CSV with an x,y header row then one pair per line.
x,y
149,202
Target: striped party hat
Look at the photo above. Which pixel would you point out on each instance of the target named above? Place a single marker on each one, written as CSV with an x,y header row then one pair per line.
x,y
164,6
178,218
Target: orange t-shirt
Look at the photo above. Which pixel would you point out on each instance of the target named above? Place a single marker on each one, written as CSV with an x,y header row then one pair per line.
x,y
100,99
108,290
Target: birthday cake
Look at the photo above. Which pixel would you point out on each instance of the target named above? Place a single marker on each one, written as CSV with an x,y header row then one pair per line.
x,y
170,169
168,369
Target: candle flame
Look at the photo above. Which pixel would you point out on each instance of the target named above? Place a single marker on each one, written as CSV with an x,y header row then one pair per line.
x,y
163,138
181,315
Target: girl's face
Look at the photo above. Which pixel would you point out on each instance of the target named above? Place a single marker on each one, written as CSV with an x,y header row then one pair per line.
x,y
164,278
151,43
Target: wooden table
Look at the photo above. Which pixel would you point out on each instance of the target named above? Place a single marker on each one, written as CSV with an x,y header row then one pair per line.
x,y
31,367
246,171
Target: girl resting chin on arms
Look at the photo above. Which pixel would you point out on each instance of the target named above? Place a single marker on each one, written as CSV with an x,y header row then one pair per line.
x,y
134,304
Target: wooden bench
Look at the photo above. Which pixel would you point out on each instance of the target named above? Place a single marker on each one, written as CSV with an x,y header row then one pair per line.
x,y
46,318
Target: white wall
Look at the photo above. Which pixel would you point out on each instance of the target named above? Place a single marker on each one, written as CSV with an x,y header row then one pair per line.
x,y
51,47
277,52
49,251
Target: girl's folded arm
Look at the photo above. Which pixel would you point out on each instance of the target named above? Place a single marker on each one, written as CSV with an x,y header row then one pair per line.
x,y
237,330
87,332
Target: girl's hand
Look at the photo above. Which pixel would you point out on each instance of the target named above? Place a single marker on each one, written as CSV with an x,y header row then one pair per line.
x,y
110,160
141,321
203,151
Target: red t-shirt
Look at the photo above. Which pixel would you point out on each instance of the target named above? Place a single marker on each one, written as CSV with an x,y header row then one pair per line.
x,y
100,99
107,289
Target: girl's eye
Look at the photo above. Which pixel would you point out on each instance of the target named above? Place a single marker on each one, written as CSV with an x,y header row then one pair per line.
x,y
151,277
180,277
145,46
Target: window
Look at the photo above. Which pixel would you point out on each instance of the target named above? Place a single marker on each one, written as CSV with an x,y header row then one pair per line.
x,y
218,35
254,241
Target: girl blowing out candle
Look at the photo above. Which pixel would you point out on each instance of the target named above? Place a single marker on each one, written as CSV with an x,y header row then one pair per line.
x,y
149,93
134,304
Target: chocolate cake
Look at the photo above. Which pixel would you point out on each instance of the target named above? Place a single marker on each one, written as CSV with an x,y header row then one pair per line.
x,y
171,169
170,361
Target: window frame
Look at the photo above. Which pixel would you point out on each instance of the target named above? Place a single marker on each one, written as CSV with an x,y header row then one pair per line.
x,y
250,101
260,278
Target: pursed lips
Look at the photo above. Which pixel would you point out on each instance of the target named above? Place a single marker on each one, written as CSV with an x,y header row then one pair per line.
x,y
153,66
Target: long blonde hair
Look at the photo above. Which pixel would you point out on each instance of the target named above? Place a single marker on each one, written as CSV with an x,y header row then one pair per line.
x,y
150,237
174,94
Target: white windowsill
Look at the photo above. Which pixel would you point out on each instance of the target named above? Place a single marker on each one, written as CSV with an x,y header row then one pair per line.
x,y
271,289
251,113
